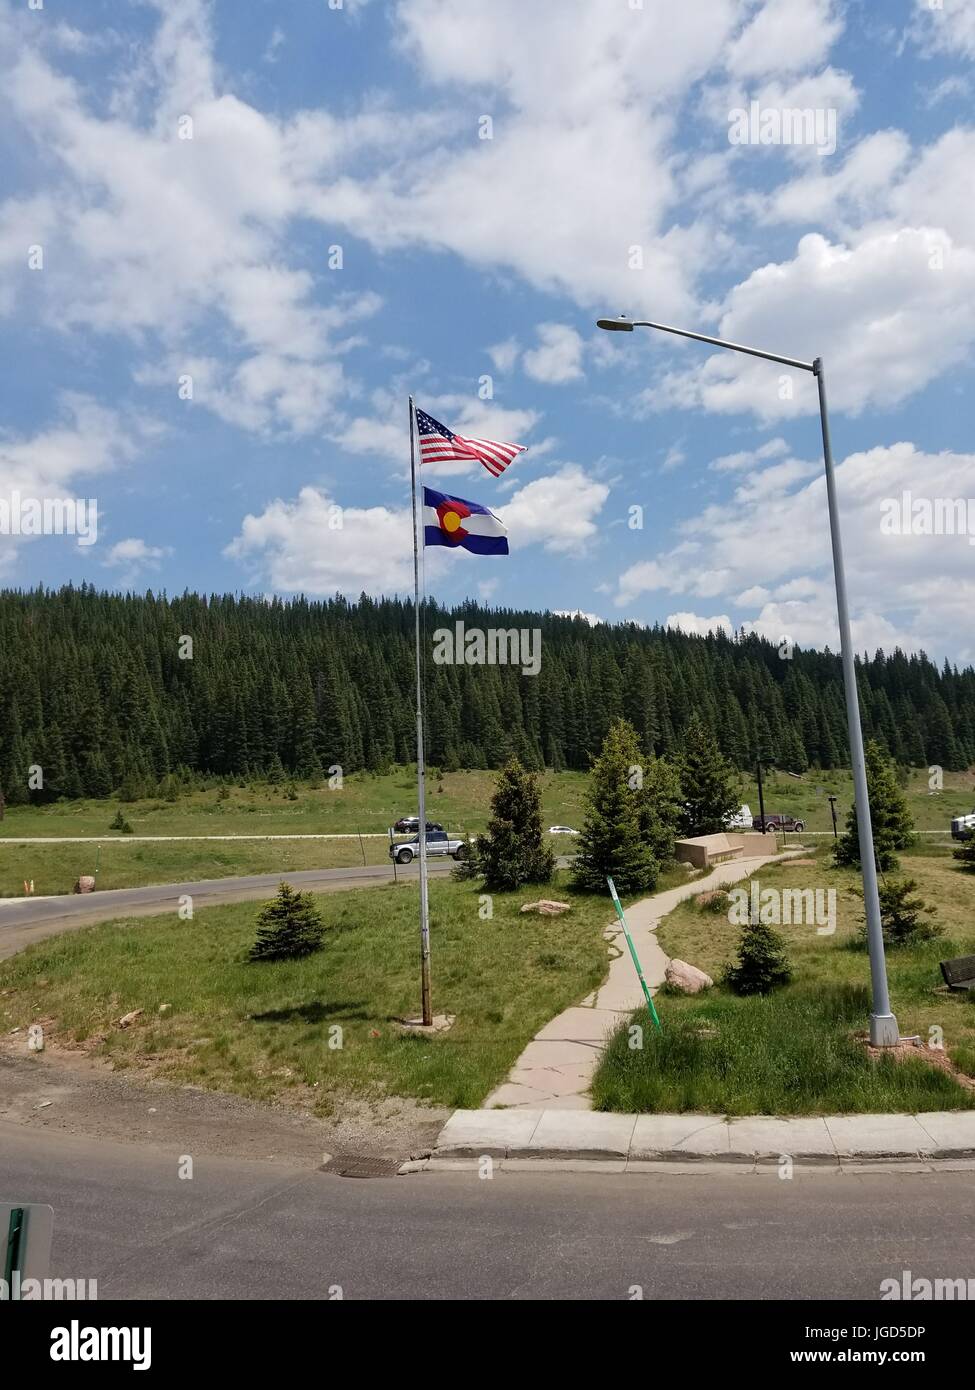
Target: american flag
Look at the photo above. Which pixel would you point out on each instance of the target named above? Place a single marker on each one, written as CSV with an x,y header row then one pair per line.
x,y
438,444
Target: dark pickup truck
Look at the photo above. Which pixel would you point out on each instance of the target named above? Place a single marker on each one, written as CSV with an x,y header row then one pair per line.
x,y
776,821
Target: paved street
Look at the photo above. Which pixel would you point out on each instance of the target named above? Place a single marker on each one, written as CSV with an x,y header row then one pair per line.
x,y
245,1229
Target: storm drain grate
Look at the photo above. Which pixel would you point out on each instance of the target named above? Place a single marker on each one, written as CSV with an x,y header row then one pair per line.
x,y
361,1166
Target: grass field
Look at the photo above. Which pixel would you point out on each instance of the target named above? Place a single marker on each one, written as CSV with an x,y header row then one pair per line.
x,y
793,1052
364,803
264,1031
806,798
459,800
137,864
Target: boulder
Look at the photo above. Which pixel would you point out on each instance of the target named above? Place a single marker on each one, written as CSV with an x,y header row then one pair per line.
x,y
546,907
127,1020
687,978
85,884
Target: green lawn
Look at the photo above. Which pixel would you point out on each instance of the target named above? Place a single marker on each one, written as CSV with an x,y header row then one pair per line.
x,y
128,863
806,797
793,1052
364,803
263,1030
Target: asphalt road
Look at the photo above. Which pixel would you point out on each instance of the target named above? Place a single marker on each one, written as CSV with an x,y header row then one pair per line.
x,y
242,1229
32,919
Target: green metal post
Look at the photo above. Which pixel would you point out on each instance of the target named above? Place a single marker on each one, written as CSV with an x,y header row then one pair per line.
x,y
636,959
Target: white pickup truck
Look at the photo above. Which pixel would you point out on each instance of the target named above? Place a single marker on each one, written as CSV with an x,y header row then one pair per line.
x,y
438,843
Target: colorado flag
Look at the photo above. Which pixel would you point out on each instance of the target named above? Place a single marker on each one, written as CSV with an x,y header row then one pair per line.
x,y
467,525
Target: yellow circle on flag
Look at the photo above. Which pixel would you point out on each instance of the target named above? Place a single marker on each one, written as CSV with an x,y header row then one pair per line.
x,y
451,521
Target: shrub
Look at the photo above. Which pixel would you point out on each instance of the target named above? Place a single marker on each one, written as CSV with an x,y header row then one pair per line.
x,y
120,823
762,964
902,915
288,927
966,855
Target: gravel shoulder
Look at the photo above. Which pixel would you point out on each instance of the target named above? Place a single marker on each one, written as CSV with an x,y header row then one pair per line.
x,y
71,1093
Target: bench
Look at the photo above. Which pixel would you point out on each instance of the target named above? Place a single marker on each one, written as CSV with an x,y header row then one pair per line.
x,y
959,973
704,850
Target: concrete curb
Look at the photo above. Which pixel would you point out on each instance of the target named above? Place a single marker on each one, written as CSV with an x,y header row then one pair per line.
x,y
610,1142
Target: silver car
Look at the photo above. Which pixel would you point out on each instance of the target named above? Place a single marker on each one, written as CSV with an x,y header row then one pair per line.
x,y
438,843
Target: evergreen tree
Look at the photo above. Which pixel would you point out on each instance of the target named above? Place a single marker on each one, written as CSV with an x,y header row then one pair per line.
x,y
613,841
288,927
762,964
661,804
298,686
905,918
891,820
708,783
513,851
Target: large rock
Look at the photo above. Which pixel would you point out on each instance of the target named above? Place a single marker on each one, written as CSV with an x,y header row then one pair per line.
x,y
85,884
546,907
687,978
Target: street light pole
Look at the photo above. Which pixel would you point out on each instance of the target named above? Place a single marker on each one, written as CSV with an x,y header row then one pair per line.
x,y
883,1025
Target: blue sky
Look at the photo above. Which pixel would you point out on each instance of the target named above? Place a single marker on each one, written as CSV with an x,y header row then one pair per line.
x,y
608,184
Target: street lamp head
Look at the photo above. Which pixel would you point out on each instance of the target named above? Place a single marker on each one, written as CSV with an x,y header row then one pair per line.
x,y
615,325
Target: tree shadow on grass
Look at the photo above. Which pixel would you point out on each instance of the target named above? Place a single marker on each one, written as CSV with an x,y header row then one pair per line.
x,y
315,1012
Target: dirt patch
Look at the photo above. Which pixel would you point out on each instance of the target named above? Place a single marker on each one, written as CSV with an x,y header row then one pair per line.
x,y
934,1056
68,1090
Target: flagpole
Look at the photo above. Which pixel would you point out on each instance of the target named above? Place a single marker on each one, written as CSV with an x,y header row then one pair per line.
x,y
426,1007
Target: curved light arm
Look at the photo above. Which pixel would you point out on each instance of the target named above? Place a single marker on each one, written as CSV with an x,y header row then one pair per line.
x,y
622,325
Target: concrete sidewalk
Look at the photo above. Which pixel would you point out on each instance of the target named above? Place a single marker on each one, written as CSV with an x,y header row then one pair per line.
x,y
620,1142
556,1067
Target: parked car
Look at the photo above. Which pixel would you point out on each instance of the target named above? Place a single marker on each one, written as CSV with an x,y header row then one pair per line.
x,y
963,827
562,830
409,825
776,821
742,819
405,851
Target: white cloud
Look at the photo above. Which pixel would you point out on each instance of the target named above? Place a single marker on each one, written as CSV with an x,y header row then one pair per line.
x,y
297,545
785,37
504,355
134,554
695,625
315,545
749,458
60,461
558,357
888,316
768,552
861,184
947,28
91,439
591,618
557,511
155,233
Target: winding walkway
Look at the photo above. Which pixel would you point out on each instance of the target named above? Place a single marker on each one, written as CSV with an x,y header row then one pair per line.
x,y
556,1067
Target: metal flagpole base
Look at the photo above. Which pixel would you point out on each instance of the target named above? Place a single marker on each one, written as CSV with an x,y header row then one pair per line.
x,y
884,1031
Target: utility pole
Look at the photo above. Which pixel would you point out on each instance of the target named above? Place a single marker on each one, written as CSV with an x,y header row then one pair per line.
x,y
761,798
